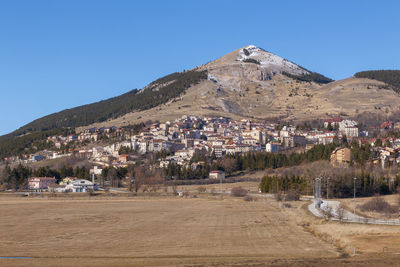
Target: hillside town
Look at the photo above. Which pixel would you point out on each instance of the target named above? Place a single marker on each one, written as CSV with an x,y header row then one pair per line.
x,y
179,139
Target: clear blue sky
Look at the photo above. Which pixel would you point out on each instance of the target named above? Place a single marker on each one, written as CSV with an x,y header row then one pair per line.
x,y
60,54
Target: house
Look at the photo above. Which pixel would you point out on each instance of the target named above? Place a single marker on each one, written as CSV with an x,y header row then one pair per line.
x,y
216,175
67,180
340,156
80,185
41,183
123,158
386,125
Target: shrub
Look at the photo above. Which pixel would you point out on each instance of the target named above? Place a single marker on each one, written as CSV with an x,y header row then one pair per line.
x,y
327,212
213,191
201,189
278,196
292,195
249,198
378,204
238,192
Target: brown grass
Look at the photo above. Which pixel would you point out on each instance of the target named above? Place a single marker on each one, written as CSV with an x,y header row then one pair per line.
x,y
392,200
123,230
151,231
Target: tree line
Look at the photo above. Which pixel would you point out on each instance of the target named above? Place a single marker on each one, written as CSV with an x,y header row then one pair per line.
x,y
247,161
311,77
17,178
390,77
340,185
29,143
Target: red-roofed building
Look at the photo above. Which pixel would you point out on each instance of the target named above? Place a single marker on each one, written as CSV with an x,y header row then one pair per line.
x,y
123,158
332,121
387,125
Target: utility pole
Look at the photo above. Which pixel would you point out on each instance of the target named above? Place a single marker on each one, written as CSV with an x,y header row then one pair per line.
x,y
317,192
327,191
354,179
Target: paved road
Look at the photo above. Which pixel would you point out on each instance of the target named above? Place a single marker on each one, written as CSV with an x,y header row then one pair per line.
x,y
347,216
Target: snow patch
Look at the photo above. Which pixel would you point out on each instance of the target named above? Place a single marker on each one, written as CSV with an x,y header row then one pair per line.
x,y
268,59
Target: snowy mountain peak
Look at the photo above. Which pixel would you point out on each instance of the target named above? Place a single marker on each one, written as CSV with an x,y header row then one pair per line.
x,y
252,53
253,48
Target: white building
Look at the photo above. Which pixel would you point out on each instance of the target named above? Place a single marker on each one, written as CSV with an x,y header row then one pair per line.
x,y
216,175
80,185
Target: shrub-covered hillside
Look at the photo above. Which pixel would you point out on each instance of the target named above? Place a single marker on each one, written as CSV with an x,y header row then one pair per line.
x,y
390,77
158,92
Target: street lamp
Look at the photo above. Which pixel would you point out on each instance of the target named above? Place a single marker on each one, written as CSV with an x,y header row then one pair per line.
x,y
354,179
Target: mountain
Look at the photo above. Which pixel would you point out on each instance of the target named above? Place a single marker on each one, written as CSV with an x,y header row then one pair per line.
x,y
246,83
253,83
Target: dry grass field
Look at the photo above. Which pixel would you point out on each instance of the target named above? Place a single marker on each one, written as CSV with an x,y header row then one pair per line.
x,y
153,231
168,231
393,200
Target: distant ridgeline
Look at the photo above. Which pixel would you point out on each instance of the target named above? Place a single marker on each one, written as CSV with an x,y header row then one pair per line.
x,y
157,93
390,77
311,77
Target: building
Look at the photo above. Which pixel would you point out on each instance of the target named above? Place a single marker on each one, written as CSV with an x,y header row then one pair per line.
x,y
294,140
350,131
272,147
81,185
348,128
41,183
333,122
123,158
216,175
340,156
96,170
37,158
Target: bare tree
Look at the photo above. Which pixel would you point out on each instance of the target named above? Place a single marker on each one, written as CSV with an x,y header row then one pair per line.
x,y
147,180
112,176
340,213
229,165
155,181
140,176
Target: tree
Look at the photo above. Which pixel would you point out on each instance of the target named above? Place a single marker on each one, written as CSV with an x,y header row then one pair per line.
x,y
378,142
140,176
229,164
112,176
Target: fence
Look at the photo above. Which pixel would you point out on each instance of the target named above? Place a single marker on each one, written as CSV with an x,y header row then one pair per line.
x,y
367,221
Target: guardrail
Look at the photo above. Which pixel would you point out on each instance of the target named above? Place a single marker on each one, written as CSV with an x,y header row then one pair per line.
x,y
367,221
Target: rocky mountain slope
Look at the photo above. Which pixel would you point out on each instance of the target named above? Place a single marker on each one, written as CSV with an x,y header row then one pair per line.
x,y
253,83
